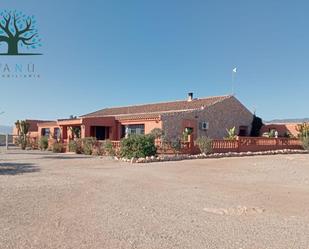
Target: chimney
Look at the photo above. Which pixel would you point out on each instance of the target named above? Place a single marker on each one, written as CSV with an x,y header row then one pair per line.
x,y
190,97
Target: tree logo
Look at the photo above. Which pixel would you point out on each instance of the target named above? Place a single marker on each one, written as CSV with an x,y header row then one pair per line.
x,y
19,32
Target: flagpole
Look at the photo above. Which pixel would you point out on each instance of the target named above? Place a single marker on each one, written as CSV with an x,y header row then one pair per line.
x,y
234,71
232,82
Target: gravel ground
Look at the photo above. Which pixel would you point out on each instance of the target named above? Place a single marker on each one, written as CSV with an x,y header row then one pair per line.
x,y
71,201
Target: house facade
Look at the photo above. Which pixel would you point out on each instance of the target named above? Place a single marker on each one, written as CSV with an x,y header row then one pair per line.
x,y
209,116
283,129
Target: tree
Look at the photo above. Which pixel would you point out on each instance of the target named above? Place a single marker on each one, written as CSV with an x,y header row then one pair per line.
x,y
18,29
75,129
257,124
22,130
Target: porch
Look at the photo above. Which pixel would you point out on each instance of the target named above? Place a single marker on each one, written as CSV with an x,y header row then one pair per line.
x,y
100,128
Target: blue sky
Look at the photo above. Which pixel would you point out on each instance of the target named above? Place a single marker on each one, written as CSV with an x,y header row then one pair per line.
x,y
112,53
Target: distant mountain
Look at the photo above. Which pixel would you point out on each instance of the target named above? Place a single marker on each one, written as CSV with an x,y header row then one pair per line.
x,y
289,120
4,129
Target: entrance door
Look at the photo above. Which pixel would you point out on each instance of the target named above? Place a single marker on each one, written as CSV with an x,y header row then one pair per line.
x,y
101,132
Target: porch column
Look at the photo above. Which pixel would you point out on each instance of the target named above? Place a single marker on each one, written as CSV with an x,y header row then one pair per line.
x,y
85,131
64,132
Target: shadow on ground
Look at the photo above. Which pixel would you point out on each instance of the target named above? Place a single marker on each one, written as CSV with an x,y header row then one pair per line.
x,y
17,168
65,157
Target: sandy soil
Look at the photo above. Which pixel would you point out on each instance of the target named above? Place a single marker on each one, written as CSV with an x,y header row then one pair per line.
x,y
69,201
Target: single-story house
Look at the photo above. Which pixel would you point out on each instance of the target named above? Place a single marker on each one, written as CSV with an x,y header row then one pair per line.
x,y
33,127
283,129
209,116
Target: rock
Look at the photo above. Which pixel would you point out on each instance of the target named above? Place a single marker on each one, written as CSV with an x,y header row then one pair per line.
x,y
133,160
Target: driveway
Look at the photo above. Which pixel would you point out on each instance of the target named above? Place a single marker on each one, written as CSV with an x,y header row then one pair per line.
x,y
73,201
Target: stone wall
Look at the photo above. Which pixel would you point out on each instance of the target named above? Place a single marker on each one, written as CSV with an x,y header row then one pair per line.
x,y
220,116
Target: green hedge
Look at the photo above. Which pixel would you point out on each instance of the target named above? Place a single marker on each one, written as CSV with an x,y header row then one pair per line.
x,y
137,146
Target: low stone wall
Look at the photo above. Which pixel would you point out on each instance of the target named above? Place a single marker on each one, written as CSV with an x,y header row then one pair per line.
x,y
164,158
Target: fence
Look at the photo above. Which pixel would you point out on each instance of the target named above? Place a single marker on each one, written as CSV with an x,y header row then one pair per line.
x,y
254,144
6,140
241,144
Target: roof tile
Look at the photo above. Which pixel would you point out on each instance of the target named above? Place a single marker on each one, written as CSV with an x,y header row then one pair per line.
x,y
147,109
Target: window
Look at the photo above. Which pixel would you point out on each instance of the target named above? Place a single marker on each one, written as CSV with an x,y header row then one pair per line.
x,y
45,132
57,133
135,129
243,131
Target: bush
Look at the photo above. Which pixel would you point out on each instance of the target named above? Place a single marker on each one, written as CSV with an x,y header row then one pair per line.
x,y
305,142
303,130
231,134
157,133
204,144
76,146
43,143
88,145
57,147
33,143
136,146
108,148
175,144
186,133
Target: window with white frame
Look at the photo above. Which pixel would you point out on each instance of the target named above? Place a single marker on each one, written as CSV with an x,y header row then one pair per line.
x,y
135,129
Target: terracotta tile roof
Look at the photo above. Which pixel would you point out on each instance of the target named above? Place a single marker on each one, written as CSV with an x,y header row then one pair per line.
x,y
158,108
138,116
47,123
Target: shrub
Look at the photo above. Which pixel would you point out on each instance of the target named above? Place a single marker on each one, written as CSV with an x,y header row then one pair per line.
x,y
303,130
157,133
272,133
43,143
33,144
98,150
76,146
165,143
108,148
305,142
231,134
204,144
57,147
175,144
88,145
288,134
136,146
188,131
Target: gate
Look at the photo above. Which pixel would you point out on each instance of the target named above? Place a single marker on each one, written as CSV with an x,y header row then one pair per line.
x,y
7,141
